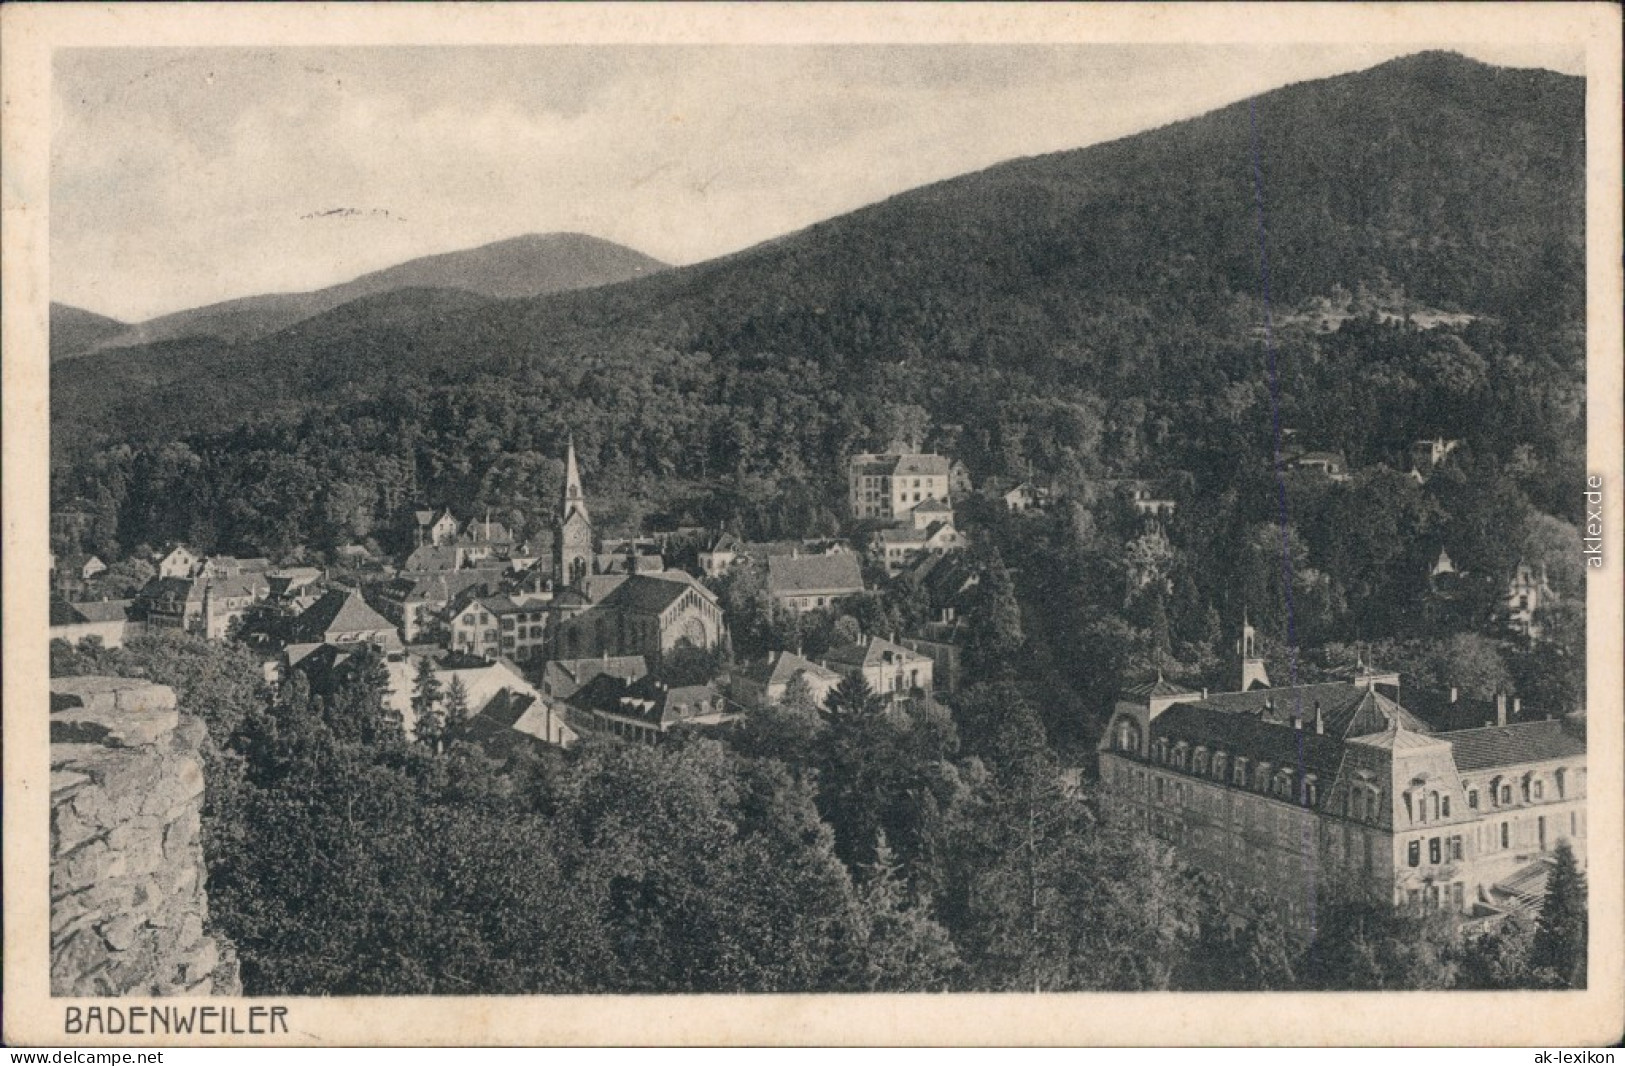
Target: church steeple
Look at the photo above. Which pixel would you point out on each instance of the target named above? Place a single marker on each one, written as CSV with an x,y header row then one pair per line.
x,y
572,534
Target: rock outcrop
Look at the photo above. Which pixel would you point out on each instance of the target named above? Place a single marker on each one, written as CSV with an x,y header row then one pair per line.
x,y
128,908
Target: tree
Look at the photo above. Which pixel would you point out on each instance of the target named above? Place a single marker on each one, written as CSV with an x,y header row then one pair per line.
x,y
994,626
905,949
1497,958
430,717
852,700
457,709
1557,954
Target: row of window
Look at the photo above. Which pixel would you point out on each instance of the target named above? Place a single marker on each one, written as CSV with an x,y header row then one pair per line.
x,y
1440,849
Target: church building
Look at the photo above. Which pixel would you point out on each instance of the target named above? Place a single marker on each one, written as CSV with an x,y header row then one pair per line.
x,y
652,615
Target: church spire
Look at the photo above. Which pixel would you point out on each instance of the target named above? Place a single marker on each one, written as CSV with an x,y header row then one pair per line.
x,y
573,499
572,535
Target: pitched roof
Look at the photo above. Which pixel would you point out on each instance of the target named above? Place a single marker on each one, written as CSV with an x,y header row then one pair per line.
x,y
341,611
1155,690
872,653
814,573
563,677
934,506
434,557
921,465
645,699
1280,744
651,593
1510,745
779,668
103,610
1347,710
441,584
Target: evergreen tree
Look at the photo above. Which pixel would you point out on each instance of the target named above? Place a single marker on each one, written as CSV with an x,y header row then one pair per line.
x,y
1558,952
995,634
906,950
430,724
457,709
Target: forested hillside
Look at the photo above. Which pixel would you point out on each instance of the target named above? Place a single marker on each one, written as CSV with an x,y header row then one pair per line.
x,y
1108,299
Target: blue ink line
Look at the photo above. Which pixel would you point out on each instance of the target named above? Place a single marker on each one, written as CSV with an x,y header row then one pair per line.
x,y
1280,483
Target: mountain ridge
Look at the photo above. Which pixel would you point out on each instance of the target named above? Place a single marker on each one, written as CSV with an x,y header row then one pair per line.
x,y
1453,182
527,265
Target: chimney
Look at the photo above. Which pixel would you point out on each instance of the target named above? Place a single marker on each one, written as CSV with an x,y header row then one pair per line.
x,y
1297,721
1320,720
1517,707
1453,693
1204,692
1500,708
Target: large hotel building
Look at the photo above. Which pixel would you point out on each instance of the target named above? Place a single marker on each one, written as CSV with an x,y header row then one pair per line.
x,y
1290,790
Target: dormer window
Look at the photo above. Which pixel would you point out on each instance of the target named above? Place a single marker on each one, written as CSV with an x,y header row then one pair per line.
x,y
1200,760
1240,775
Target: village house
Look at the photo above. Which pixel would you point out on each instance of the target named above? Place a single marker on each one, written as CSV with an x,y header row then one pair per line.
x,y
720,554
179,562
210,607
343,617
886,486
1426,455
1527,592
890,669
1025,497
490,626
561,678
428,557
805,582
1253,785
484,540
416,601
109,621
901,547
500,702
766,682
1330,465
646,709
231,566
437,528
1151,501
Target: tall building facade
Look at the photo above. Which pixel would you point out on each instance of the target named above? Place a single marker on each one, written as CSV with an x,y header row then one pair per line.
x,y
1289,791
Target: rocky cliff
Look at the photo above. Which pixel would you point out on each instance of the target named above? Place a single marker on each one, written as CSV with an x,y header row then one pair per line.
x,y
128,908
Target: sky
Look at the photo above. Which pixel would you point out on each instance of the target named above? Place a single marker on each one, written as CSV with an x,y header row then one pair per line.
x,y
184,176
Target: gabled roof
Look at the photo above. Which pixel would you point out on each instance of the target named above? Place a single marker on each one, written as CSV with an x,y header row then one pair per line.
x,y
563,677
340,611
434,557
780,667
1511,745
933,506
652,593
67,614
725,542
441,584
476,532
1155,689
872,653
814,573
